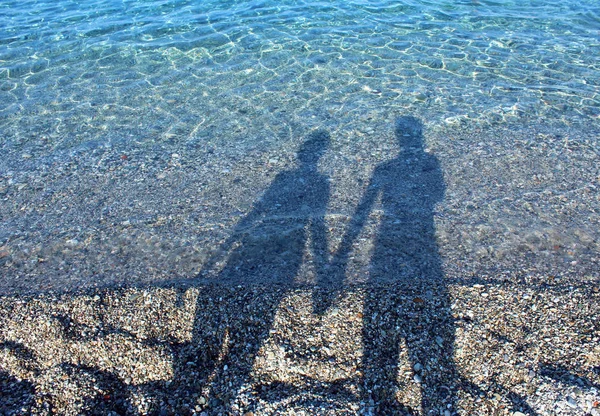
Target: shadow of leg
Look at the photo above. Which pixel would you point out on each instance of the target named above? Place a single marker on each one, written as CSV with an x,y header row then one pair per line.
x,y
381,348
246,319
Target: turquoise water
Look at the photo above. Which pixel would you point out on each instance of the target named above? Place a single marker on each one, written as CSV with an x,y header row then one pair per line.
x,y
320,143
191,72
135,135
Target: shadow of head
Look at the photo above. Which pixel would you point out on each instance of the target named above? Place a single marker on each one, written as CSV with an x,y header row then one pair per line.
x,y
409,132
315,146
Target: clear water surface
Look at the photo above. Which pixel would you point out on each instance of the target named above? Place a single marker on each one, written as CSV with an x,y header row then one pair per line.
x,y
189,70
134,134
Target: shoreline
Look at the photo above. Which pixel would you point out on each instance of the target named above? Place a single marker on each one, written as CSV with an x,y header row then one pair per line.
x,y
498,225
516,201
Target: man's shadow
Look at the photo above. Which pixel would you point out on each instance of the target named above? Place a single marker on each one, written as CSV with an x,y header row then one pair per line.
x,y
405,262
267,248
407,303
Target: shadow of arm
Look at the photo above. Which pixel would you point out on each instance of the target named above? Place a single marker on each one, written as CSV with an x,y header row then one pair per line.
x,y
356,224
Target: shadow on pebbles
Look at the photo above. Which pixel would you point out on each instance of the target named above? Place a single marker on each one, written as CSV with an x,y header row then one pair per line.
x,y
499,348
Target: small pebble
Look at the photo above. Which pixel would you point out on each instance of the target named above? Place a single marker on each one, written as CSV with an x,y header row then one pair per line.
x,y
571,402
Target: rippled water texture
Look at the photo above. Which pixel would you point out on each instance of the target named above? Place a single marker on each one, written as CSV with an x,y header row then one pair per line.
x,y
188,70
134,135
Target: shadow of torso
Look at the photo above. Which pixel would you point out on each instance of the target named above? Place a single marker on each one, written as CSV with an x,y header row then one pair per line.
x,y
271,241
405,247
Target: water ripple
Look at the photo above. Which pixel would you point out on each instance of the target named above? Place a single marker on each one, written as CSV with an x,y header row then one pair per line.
x,y
104,64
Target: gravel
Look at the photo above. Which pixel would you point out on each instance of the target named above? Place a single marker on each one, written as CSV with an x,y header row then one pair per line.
x,y
257,350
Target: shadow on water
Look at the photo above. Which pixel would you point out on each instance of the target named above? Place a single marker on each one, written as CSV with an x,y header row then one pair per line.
x,y
267,247
408,188
405,191
286,227
405,316
406,264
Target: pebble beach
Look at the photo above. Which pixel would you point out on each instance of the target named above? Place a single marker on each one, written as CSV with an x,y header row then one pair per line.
x,y
502,349
299,208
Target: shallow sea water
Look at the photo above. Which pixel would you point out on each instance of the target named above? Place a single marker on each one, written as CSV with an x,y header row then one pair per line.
x,y
134,135
299,207
117,70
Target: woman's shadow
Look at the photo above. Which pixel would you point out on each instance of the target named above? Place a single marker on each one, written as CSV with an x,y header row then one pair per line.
x,y
266,249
